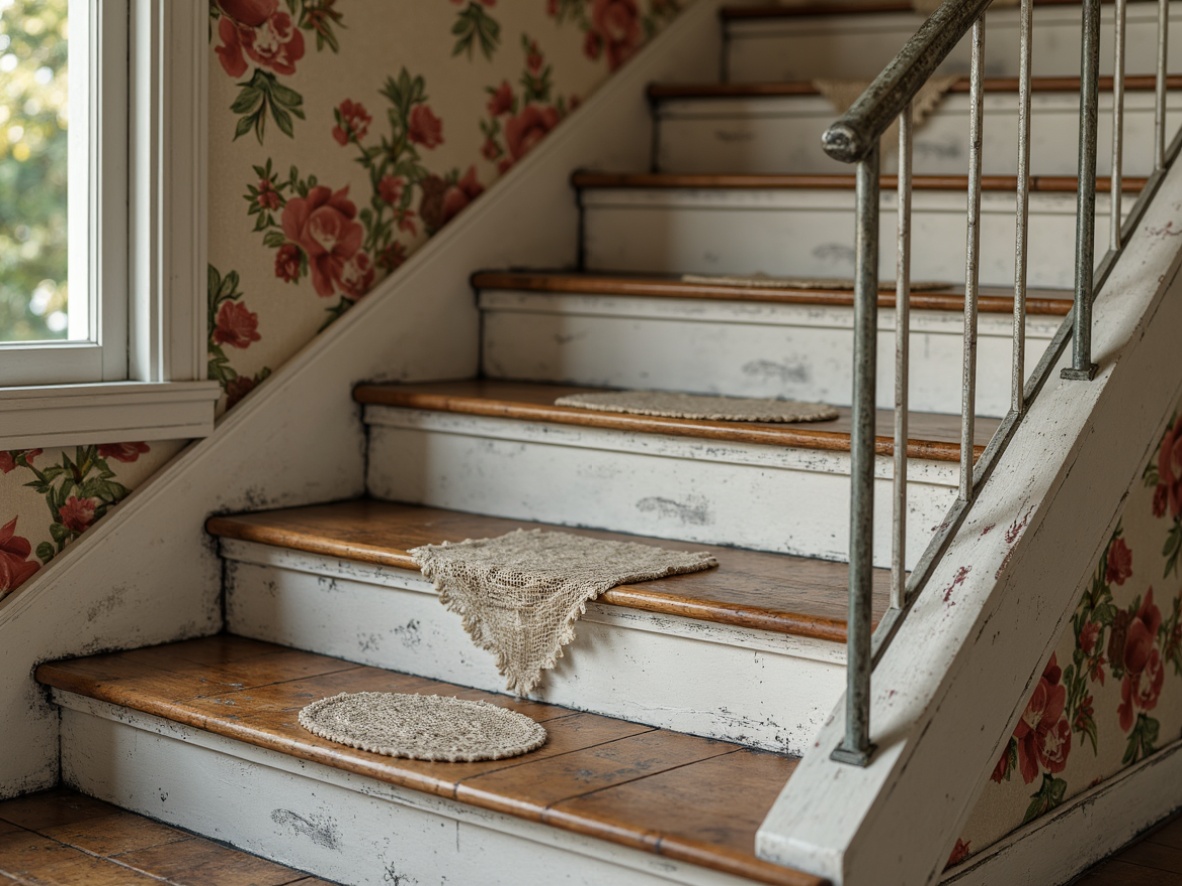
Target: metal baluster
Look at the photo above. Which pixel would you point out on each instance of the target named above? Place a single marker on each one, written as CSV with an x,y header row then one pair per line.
x,y
1022,221
1085,221
1159,107
1118,126
856,747
902,362
972,264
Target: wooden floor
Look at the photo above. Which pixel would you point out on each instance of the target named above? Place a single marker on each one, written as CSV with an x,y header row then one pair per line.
x,y
1154,860
61,838
692,799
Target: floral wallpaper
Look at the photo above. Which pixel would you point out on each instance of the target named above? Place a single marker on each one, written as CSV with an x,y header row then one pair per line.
x,y
342,136
1112,692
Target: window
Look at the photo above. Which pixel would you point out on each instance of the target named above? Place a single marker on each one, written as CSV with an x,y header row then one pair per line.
x,y
102,108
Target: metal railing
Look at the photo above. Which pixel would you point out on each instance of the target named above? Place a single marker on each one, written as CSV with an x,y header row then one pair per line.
x,y
854,138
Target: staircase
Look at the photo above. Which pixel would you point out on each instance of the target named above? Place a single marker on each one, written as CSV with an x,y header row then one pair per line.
x,y
681,709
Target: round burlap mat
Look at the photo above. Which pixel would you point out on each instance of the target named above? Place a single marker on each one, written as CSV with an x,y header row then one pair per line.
x,y
422,727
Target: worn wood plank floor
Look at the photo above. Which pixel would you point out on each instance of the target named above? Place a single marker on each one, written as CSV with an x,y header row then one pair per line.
x,y
62,838
1154,860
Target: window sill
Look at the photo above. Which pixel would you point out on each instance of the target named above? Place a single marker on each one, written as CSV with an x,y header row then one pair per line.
x,y
120,412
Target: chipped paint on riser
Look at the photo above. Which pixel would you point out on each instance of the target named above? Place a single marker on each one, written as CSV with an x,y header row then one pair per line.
x,y
776,135
708,491
844,47
343,827
806,233
755,687
741,349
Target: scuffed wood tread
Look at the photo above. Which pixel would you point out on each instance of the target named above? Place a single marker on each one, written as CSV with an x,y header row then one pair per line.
x,y
933,436
992,300
652,789
793,88
590,180
749,589
747,11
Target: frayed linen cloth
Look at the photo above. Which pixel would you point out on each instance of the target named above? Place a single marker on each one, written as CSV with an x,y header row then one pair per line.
x,y
423,727
704,407
520,594
843,93
836,284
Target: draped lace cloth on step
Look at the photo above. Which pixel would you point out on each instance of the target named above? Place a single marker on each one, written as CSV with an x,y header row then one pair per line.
x,y
520,594
843,93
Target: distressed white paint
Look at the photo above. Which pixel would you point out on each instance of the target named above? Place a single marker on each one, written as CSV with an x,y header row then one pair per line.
x,y
709,491
776,135
859,46
1056,847
755,687
806,233
741,349
348,828
948,692
148,573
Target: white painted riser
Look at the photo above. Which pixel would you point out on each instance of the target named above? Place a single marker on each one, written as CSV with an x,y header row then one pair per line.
x,y
809,233
783,135
347,828
847,47
742,350
758,688
770,498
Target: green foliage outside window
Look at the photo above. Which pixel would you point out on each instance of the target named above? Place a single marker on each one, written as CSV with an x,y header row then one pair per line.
x,y
33,162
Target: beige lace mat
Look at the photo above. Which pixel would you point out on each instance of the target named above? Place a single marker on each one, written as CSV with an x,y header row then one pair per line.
x,y
704,407
836,284
843,93
422,727
520,594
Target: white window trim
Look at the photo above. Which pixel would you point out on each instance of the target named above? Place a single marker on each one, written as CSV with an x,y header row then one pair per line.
x,y
165,394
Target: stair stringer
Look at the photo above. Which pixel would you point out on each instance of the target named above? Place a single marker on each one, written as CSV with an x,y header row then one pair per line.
x,y
149,574
949,691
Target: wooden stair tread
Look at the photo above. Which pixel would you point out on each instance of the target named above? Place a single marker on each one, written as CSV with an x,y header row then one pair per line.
x,y
992,299
747,11
589,180
595,775
933,436
749,589
792,88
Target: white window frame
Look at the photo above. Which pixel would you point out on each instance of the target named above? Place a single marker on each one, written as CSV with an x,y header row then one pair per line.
x,y
147,214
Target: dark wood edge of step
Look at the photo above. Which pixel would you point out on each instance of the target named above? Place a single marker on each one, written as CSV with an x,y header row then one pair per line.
x,y
801,436
740,12
794,88
640,598
588,180
992,300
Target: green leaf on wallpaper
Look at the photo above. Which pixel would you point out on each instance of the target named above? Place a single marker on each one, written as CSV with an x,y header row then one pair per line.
x,y
250,99
46,552
475,26
262,96
274,239
59,532
1142,739
1046,798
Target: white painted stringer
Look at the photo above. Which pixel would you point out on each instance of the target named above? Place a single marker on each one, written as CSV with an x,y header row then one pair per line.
x,y
773,498
741,349
753,687
807,233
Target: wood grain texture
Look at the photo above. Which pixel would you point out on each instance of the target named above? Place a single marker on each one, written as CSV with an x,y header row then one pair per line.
x,y
199,862
774,592
933,436
588,180
790,88
585,753
28,857
992,300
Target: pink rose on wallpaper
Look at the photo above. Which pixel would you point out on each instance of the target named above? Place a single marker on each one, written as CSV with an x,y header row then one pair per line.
x,y
275,43
1043,733
1142,632
392,257
352,122
236,325
1088,635
287,263
15,566
356,276
1169,469
268,197
442,201
1161,497
251,13
1144,673
425,128
77,513
960,852
533,58
8,458
617,25
390,188
124,452
1120,562
523,132
501,100
323,226
237,388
